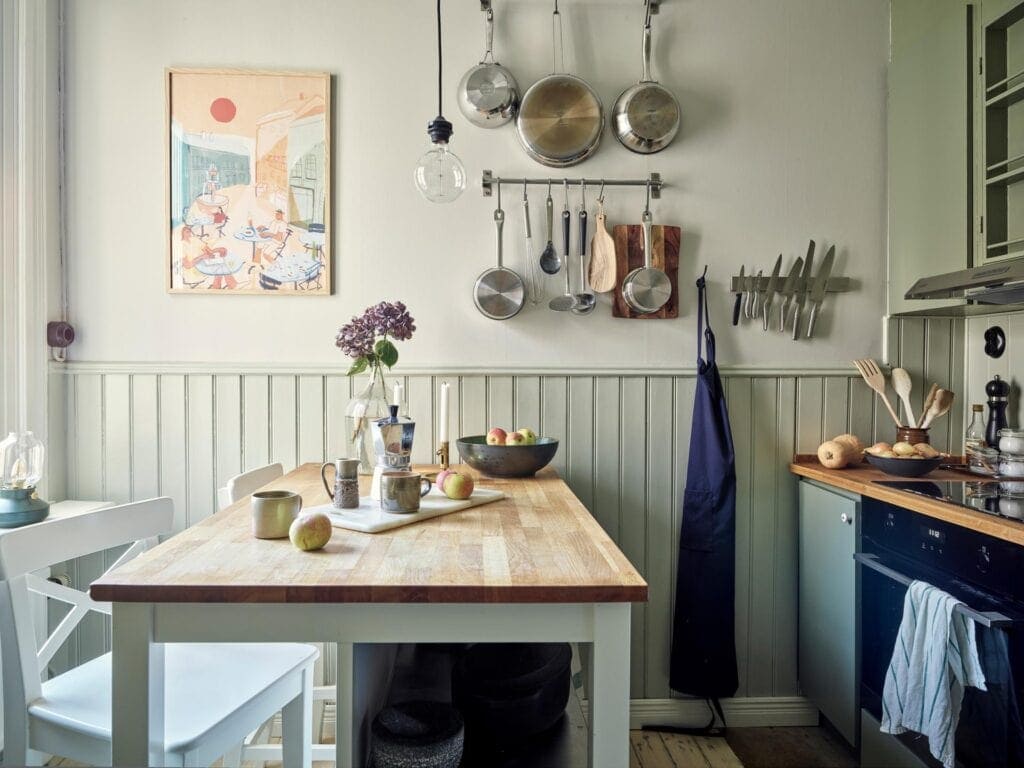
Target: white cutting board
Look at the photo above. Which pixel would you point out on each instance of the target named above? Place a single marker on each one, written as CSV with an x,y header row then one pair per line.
x,y
370,518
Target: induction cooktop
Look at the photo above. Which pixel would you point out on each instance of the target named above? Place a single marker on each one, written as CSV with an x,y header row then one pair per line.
x,y
1004,498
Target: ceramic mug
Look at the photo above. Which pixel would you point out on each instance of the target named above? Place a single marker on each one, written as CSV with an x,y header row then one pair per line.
x,y
402,491
273,513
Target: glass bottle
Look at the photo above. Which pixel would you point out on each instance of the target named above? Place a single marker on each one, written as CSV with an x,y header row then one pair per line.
x,y
369,405
974,437
21,461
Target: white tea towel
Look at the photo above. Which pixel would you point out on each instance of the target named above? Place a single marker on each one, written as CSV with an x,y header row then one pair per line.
x,y
935,659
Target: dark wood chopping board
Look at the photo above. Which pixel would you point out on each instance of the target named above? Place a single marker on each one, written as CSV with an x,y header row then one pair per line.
x,y
629,255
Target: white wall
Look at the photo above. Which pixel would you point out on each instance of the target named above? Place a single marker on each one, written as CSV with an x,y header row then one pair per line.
x,y
783,139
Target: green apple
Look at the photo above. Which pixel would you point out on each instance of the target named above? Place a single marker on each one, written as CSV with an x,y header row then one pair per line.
x,y
311,531
458,486
529,434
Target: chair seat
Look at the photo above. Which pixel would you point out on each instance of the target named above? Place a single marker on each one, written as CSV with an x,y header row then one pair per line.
x,y
204,684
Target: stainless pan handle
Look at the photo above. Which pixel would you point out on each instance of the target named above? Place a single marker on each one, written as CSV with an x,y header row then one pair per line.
x,y
647,239
499,223
489,36
647,53
985,618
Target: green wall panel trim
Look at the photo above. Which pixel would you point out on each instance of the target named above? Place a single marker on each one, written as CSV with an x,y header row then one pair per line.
x,y
625,442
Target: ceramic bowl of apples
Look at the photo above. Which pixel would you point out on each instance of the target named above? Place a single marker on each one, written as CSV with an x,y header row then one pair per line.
x,y
501,453
903,459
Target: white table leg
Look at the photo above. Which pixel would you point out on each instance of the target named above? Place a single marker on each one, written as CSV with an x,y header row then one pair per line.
x,y
137,724
609,686
297,726
344,710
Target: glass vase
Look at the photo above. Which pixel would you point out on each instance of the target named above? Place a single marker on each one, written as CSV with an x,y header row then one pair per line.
x,y
370,404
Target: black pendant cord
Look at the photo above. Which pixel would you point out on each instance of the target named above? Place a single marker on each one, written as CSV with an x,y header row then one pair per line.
x,y
439,129
439,110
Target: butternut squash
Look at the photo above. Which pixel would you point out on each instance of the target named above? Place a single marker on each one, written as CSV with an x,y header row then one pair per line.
x,y
835,455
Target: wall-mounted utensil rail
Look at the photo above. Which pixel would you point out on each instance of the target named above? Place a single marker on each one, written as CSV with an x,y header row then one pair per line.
x,y
985,618
485,5
489,181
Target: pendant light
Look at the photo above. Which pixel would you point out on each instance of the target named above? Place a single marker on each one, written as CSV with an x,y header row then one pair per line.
x,y
440,175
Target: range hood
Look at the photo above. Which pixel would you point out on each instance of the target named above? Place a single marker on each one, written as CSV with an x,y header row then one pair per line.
x,y
997,285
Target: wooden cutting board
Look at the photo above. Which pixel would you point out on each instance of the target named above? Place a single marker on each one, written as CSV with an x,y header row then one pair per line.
x,y
629,255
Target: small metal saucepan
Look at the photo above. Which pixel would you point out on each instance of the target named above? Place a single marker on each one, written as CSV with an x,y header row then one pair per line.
x,y
499,292
645,117
488,94
646,289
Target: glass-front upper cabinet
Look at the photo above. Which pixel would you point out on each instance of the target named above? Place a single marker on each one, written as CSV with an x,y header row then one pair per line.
x,y
1001,106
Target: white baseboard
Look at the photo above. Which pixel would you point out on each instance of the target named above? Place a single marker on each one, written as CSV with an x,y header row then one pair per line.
x,y
740,713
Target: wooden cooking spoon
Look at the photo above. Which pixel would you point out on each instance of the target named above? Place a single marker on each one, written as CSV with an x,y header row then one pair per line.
x,y
602,254
902,384
929,399
940,407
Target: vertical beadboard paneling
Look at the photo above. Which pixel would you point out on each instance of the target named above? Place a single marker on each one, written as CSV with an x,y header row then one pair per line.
x,y
202,485
625,443
632,510
145,445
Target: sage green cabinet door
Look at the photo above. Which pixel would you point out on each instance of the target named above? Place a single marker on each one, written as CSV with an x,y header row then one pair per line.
x,y
828,604
930,151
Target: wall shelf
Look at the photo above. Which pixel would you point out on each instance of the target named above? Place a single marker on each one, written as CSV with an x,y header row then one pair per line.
x,y
1006,179
1007,98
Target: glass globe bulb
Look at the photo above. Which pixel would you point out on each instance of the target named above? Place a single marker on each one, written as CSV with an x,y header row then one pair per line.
x,y
440,176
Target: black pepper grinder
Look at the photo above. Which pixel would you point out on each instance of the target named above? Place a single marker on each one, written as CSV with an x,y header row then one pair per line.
x,y
998,392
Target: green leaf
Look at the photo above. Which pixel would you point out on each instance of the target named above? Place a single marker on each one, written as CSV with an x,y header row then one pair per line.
x,y
358,366
386,352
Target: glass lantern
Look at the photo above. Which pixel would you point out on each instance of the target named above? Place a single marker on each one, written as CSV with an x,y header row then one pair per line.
x,y
21,469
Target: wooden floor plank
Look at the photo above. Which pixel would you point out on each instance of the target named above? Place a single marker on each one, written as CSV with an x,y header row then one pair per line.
x,y
652,752
683,751
717,752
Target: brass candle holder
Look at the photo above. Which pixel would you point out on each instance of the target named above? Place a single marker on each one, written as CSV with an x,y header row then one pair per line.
x,y
442,451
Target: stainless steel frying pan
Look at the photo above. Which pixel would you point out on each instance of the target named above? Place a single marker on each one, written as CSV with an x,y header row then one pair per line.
x,y
499,292
561,118
645,117
488,94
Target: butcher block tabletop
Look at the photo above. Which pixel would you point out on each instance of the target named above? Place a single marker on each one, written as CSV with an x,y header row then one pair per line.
x,y
538,545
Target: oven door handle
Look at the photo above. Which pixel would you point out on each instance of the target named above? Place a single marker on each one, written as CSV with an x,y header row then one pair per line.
x,y
985,618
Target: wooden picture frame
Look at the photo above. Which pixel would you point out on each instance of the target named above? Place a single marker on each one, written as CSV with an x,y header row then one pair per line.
x,y
248,182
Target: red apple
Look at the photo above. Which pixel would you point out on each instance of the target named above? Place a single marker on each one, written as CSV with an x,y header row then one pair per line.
x,y
311,531
439,482
458,486
515,438
496,436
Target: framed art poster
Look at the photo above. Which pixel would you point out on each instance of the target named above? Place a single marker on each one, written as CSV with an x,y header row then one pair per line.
x,y
249,182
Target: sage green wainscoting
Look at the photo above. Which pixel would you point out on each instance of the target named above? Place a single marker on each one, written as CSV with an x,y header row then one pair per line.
x,y
136,431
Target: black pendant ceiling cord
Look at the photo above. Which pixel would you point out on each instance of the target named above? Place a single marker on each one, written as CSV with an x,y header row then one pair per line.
x,y
439,129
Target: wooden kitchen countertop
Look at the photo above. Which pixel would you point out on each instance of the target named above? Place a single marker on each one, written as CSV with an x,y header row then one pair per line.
x,y
538,545
860,480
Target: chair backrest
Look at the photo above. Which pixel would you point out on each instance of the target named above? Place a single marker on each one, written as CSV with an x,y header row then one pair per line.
x,y
240,486
54,540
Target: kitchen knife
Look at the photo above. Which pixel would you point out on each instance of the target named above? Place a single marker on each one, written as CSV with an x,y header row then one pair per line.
x,y
788,289
818,291
770,291
801,294
739,299
758,291
748,302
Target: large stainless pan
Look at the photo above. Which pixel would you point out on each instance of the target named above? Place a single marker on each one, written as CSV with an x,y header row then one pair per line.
x,y
488,94
645,117
561,118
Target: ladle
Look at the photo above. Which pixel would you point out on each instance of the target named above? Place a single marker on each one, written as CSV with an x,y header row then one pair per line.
x,y
549,260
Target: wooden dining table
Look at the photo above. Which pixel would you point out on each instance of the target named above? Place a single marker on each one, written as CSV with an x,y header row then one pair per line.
x,y
532,567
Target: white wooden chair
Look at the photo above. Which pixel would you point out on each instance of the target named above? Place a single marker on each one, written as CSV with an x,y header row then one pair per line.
x,y
242,485
256,748
215,693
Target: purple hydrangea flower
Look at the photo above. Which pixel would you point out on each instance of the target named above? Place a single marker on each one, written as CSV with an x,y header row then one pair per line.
x,y
386,319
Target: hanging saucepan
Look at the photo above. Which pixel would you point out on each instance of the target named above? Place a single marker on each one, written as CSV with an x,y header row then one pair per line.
x,y
488,95
499,293
645,117
560,118
646,289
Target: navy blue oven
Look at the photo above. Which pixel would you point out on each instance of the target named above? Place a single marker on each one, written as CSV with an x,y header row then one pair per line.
x,y
899,546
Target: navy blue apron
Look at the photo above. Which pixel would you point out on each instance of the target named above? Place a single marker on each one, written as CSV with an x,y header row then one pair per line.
x,y
703,659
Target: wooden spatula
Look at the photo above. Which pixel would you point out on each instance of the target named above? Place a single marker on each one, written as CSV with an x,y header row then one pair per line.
x,y
602,255
940,407
927,404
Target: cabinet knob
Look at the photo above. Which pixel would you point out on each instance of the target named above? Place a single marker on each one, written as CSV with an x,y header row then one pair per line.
x,y
848,519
